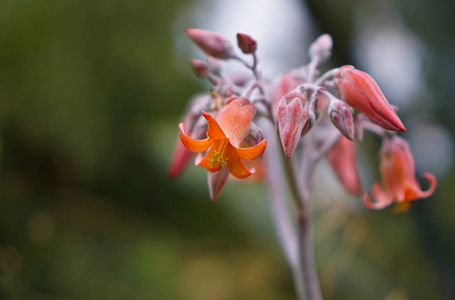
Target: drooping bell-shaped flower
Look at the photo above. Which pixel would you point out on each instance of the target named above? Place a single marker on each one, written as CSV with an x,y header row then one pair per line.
x,y
343,160
359,90
292,116
399,184
225,133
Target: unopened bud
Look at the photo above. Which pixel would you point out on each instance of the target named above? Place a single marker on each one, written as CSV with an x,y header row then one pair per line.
x,y
200,68
211,43
246,43
255,135
283,84
321,49
341,116
292,116
359,90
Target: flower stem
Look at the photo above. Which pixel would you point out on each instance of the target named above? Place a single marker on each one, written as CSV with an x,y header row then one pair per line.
x,y
302,194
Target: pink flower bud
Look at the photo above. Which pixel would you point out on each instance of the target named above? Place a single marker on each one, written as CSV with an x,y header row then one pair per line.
x,y
341,116
246,43
283,84
200,68
292,116
359,90
321,49
211,43
343,160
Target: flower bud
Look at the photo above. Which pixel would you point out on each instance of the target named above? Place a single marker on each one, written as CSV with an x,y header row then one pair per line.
x,y
321,49
341,116
255,135
283,84
246,43
359,90
211,43
292,116
200,68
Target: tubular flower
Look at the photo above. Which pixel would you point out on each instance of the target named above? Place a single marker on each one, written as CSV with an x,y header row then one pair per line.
x,y
397,172
343,160
359,90
225,132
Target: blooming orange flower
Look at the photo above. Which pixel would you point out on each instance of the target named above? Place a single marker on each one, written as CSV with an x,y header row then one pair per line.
x,y
397,172
225,132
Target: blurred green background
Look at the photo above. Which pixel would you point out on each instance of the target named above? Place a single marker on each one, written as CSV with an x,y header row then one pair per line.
x,y
90,98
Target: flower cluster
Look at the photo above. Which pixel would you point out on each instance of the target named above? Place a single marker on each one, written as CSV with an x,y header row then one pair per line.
x,y
315,115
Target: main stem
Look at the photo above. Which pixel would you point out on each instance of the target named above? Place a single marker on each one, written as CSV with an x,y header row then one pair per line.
x,y
300,187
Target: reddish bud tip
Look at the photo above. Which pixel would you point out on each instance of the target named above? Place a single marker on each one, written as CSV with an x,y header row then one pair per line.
x,y
211,43
246,43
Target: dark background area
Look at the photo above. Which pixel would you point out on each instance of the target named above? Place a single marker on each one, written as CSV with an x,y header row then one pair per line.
x,y
90,98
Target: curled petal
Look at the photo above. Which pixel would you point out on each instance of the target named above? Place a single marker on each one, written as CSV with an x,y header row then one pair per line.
x,y
216,182
252,152
432,181
192,144
381,199
214,130
235,165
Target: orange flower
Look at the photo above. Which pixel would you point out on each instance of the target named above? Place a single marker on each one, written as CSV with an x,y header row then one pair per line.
x,y
397,172
225,132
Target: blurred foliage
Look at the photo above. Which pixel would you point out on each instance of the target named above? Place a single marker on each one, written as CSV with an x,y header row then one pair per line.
x,y
89,100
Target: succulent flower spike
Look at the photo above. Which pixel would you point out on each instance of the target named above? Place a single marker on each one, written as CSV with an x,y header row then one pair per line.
x,y
225,132
397,172
359,90
292,116
211,43
343,160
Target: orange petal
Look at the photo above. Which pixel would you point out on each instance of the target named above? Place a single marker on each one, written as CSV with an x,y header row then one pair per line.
x,y
432,180
235,118
205,161
214,131
252,152
235,165
381,199
192,144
